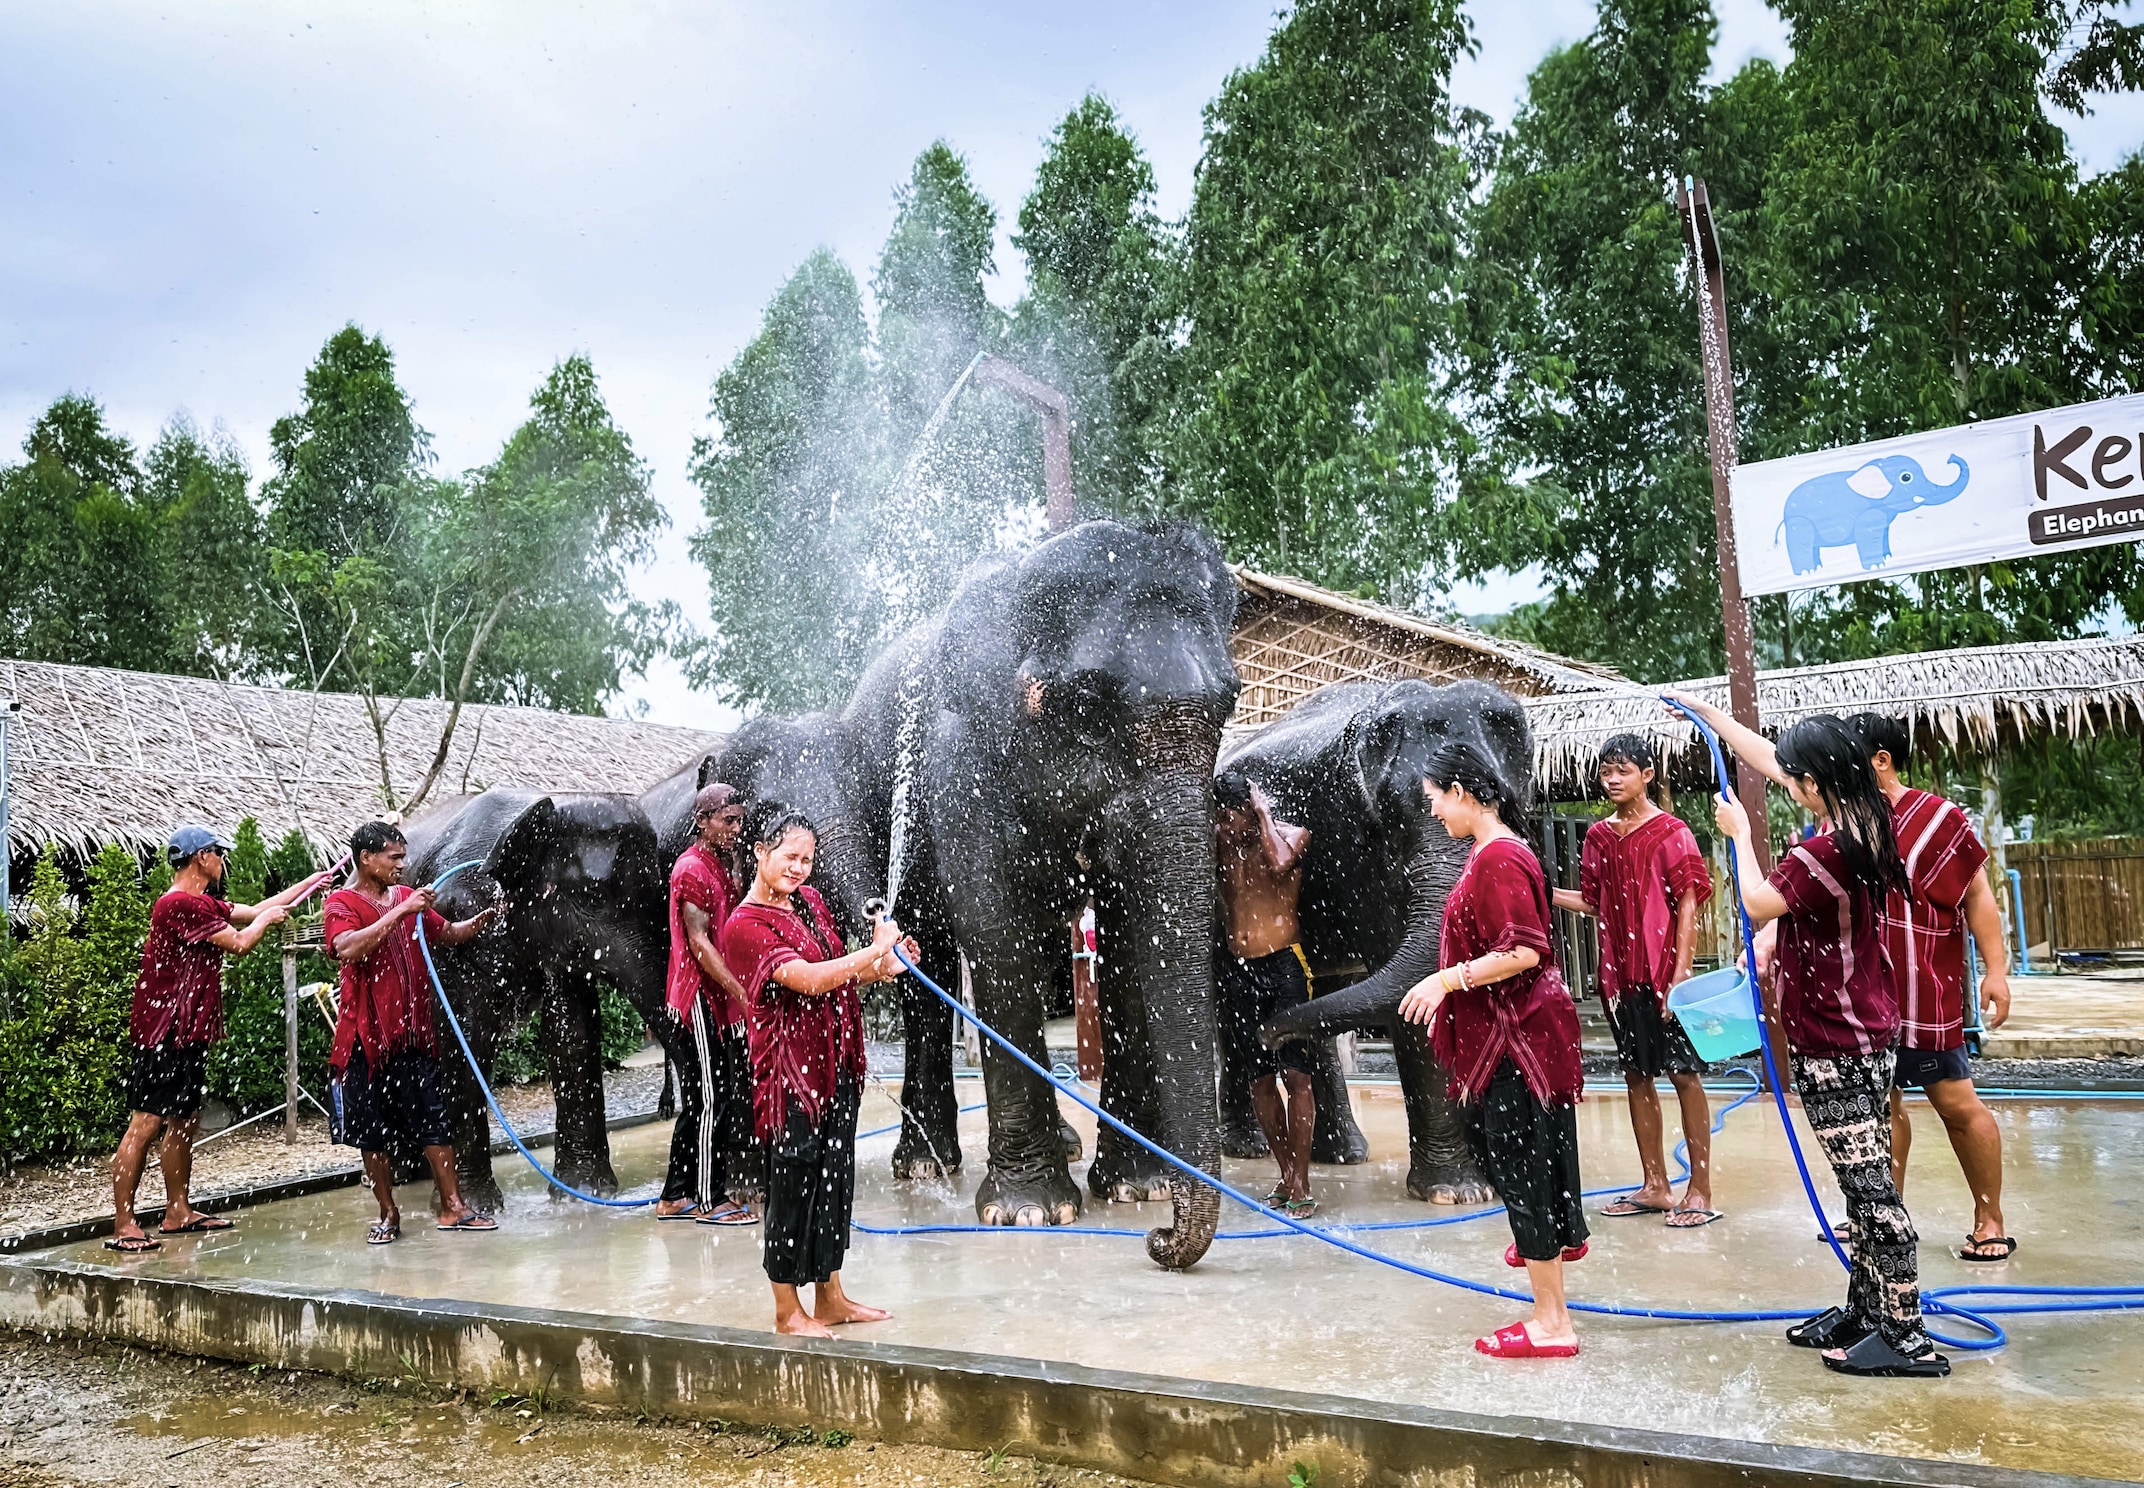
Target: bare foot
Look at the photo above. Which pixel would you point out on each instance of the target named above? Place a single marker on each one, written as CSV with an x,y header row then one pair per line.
x,y
844,1310
667,1207
801,1324
1543,1338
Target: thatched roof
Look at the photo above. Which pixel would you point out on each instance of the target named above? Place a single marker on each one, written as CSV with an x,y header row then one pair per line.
x,y
1974,698
98,755
1293,638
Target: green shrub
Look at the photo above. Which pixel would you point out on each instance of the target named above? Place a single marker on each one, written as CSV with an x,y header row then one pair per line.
x,y
519,1057
63,1052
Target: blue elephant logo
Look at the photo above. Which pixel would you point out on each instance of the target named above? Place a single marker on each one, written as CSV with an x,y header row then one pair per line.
x,y
1856,506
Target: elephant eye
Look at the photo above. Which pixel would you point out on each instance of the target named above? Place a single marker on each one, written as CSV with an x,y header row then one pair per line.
x,y
1905,477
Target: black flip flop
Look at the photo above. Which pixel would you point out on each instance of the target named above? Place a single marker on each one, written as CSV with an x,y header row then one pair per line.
x,y
1875,1359
1629,1208
1969,1254
1834,1327
133,1244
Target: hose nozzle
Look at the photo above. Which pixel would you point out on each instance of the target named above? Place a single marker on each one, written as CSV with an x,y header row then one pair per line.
x,y
875,908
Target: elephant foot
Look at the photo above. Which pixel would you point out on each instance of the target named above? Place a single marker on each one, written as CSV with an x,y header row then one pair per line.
x,y
1244,1139
480,1192
1335,1138
1047,1198
927,1159
1134,1176
1447,1183
589,1175
1069,1141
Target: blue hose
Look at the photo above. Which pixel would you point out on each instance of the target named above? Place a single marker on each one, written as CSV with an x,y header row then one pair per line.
x,y
485,1085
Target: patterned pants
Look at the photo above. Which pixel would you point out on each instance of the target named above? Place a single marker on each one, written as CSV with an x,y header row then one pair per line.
x,y
1847,1100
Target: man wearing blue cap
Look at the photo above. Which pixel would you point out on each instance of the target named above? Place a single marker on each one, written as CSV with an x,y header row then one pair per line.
x,y
178,1014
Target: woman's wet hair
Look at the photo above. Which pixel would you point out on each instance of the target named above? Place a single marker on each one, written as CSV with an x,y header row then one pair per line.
x,y
1636,751
1882,734
771,821
1828,751
1456,762
374,836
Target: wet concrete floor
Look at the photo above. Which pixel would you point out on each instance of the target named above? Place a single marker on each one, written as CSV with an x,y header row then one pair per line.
x,y
1293,1314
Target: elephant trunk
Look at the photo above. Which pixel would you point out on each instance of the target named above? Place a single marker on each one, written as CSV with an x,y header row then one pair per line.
x,y
844,873
1161,851
1432,869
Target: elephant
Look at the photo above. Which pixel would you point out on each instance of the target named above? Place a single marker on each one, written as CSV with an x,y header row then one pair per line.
x,y
1348,764
1048,739
584,890
1856,506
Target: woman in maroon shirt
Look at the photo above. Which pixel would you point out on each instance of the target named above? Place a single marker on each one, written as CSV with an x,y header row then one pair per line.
x,y
1505,1027
1839,1012
804,1022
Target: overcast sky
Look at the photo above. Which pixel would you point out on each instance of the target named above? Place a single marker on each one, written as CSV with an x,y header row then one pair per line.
x,y
196,195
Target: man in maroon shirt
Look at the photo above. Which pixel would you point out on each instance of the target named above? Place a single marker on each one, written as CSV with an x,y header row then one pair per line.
x,y
384,1064
1924,940
177,1015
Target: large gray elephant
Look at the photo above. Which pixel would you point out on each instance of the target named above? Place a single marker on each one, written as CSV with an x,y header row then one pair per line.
x,y
1348,763
584,890
1051,738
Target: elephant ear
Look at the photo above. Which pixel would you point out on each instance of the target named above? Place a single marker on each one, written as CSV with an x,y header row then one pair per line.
x,y
516,860
1380,737
1870,481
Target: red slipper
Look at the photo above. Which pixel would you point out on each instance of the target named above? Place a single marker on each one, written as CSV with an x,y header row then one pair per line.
x,y
1513,1342
1577,1252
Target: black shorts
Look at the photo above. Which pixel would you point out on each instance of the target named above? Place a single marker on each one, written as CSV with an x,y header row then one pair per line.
x,y
1650,1041
1920,1068
398,1110
1255,992
170,1080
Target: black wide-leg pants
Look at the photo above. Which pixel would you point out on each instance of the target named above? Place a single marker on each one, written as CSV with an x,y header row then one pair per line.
x,y
811,1191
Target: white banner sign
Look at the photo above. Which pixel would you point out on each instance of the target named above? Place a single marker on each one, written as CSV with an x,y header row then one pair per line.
x,y
2047,482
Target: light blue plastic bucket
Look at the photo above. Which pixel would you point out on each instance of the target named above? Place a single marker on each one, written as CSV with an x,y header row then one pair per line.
x,y
1716,1012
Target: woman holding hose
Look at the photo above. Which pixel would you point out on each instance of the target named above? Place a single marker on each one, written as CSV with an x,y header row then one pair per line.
x,y
1839,1013
1507,1030
804,1023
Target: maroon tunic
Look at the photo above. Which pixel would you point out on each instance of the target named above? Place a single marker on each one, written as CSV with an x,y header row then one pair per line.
x,y
386,1002
1835,994
179,993
1634,880
800,1044
1500,903
1925,936
702,879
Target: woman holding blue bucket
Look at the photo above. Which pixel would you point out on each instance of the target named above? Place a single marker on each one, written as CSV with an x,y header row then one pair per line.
x,y
1840,1016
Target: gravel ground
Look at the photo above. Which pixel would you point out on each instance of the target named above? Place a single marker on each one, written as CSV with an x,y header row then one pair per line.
x,y
38,1197
79,1414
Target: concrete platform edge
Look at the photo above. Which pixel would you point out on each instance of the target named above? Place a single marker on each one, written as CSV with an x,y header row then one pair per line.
x,y
1189,1432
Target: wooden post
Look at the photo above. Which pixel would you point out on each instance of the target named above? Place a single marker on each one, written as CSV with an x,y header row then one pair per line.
x,y
1086,1006
1705,276
290,1044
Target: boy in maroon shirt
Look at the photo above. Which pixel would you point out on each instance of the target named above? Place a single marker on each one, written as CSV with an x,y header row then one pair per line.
x,y
177,1015
1642,875
1924,937
384,1064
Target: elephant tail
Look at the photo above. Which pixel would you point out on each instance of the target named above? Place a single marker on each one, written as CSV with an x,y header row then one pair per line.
x,y
1179,1245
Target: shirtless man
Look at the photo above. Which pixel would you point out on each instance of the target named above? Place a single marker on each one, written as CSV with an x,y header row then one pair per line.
x,y
1261,973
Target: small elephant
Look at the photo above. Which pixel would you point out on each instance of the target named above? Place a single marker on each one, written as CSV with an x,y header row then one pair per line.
x,y
1348,763
1856,506
584,894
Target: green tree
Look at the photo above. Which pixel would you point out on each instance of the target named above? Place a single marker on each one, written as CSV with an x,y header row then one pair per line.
x,y
1098,320
933,314
1324,245
1585,374
1933,259
246,1068
787,479
82,566
215,549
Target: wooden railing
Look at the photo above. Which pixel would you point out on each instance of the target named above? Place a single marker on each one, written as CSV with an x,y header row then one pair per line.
x,y
2081,896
